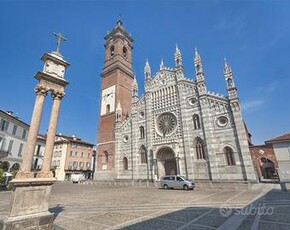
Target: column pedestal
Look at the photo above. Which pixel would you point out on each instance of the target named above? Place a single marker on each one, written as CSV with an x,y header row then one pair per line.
x,y
29,205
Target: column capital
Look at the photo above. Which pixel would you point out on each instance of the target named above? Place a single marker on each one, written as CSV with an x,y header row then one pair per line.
x,y
40,90
57,95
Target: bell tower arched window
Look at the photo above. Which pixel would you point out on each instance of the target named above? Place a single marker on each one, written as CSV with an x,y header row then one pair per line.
x,y
229,154
112,50
196,122
124,52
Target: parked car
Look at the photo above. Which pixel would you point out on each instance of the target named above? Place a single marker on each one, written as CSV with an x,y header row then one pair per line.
x,y
176,181
76,178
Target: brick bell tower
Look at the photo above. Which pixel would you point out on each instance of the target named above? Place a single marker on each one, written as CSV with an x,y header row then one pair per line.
x,y
116,87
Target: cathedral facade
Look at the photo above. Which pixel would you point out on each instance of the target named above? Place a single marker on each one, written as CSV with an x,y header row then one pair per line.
x,y
176,127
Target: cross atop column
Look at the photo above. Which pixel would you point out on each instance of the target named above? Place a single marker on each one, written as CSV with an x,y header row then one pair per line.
x,y
60,38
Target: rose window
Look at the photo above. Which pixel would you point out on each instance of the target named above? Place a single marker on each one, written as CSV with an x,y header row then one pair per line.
x,y
222,121
166,123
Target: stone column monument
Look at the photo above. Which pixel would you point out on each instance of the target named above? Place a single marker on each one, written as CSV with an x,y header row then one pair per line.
x,y
30,192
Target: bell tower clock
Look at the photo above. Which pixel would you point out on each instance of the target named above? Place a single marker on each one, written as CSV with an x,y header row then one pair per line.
x,y
116,86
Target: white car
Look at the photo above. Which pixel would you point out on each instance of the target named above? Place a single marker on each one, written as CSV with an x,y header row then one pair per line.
x,y
76,178
175,181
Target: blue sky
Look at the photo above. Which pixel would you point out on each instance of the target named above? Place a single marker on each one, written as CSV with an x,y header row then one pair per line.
x,y
253,35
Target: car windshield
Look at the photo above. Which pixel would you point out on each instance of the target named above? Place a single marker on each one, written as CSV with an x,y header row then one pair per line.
x,y
184,178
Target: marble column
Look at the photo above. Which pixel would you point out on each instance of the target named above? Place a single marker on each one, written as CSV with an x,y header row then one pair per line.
x,y
48,152
25,171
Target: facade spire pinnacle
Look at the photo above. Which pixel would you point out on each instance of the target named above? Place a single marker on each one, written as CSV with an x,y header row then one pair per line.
x,y
231,88
177,57
119,108
227,68
147,70
197,63
135,88
201,85
119,112
196,55
161,64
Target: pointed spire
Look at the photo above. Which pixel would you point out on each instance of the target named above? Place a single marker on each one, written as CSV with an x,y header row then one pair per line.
x,y
197,62
147,70
161,64
178,57
135,84
196,55
227,68
177,51
119,112
228,75
135,88
119,108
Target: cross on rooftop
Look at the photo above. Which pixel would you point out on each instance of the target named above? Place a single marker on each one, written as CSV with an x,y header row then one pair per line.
x,y
59,39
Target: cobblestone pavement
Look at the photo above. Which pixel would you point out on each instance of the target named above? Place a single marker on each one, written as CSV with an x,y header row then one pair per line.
x,y
78,206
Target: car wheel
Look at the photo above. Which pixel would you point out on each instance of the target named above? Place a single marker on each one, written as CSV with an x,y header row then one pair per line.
x,y
165,186
185,187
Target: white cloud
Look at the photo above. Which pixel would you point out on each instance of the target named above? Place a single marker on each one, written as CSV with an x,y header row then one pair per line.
x,y
250,106
269,88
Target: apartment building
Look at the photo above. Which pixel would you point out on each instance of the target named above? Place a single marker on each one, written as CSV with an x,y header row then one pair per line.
x,y
13,137
72,156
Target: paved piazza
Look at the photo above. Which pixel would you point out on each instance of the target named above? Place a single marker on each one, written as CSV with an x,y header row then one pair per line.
x,y
91,206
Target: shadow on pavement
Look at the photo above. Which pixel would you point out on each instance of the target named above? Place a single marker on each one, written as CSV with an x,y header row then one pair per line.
x,y
270,211
56,210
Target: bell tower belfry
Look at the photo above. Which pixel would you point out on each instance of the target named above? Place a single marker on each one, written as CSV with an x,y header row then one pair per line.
x,y
116,86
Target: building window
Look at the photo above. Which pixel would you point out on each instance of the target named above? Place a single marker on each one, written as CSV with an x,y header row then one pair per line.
x,y
88,164
71,153
38,150
10,147
82,154
124,52
108,108
143,155
142,132
199,149
112,50
4,125
89,155
14,129
35,163
106,157
125,163
229,154
20,150
196,123
24,134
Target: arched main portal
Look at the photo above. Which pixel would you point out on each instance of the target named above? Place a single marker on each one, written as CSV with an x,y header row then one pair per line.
x,y
166,162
